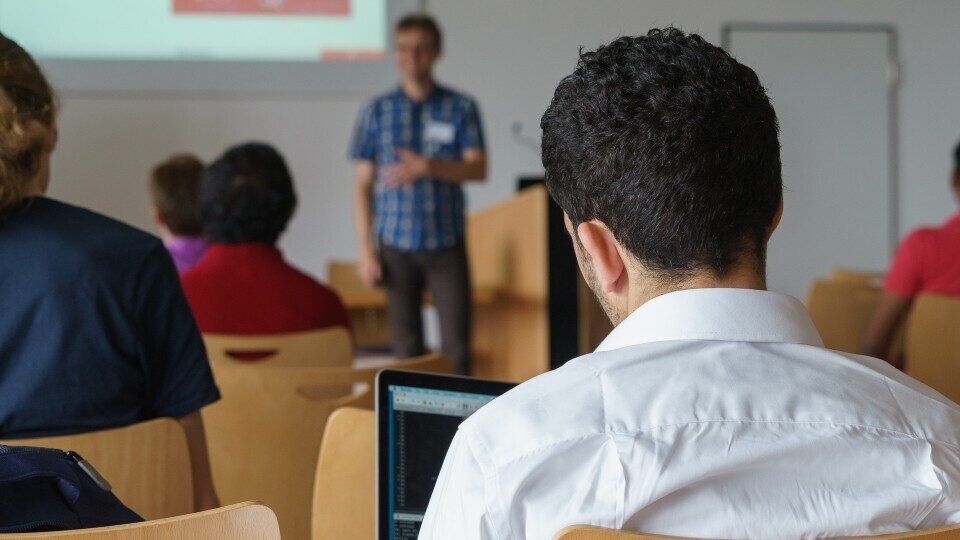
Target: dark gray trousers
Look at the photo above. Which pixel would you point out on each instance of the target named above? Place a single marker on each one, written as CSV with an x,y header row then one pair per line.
x,y
445,274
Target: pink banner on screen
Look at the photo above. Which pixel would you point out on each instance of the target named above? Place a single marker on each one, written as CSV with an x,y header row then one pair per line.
x,y
348,55
263,7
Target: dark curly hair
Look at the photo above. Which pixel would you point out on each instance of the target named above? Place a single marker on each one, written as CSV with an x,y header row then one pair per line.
x,y
247,195
673,145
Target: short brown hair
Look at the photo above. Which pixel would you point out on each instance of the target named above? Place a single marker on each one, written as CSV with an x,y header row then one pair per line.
x,y
420,21
27,110
174,188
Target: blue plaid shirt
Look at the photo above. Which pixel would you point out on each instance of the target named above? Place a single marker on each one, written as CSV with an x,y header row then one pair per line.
x,y
427,214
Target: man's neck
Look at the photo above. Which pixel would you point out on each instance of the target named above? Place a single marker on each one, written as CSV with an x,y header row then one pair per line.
x,y
417,89
741,276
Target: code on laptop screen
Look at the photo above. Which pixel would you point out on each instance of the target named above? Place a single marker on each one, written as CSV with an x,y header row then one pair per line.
x,y
422,422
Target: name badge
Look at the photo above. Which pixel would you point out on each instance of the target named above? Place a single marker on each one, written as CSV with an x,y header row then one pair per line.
x,y
439,132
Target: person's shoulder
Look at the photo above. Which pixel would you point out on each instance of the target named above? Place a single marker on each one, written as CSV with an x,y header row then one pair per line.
x,y
456,94
921,411
559,405
921,236
81,227
378,101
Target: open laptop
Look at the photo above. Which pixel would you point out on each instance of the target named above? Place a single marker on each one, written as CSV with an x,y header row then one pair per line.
x,y
417,417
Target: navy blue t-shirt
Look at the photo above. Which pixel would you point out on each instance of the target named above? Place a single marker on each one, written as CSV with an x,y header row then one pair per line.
x,y
95,331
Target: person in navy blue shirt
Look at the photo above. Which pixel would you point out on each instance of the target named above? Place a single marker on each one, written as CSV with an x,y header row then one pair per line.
x,y
413,149
95,331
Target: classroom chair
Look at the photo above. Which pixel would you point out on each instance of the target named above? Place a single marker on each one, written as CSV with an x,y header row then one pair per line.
x,y
857,277
148,464
932,343
841,312
587,532
344,490
243,521
264,434
326,347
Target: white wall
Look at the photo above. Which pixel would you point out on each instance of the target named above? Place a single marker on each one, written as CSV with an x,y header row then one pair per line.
x,y
510,55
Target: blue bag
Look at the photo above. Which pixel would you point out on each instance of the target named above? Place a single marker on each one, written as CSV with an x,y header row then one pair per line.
x,y
43,489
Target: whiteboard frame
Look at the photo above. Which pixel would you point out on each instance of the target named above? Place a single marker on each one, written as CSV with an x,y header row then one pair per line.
x,y
893,87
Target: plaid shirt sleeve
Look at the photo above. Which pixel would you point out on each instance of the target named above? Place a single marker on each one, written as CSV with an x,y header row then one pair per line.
x,y
470,134
363,143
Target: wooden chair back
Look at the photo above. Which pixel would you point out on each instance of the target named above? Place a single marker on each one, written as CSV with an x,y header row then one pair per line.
x,y
326,347
841,312
349,377
148,464
587,532
857,277
264,434
243,521
344,490
342,275
933,343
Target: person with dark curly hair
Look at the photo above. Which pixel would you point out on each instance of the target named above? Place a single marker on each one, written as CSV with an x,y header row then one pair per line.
x,y
242,284
712,410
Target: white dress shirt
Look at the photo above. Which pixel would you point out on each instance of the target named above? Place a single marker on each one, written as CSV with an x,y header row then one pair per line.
x,y
708,413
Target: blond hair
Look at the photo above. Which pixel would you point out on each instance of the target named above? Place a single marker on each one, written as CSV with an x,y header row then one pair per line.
x,y
27,109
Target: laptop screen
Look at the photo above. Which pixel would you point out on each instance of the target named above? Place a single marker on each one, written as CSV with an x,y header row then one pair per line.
x,y
419,424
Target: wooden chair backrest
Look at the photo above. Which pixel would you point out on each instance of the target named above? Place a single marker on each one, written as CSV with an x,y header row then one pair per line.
x,y
588,532
148,464
343,276
243,521
841,312
326,347
348,377
344,490
933,343
264,434
857,277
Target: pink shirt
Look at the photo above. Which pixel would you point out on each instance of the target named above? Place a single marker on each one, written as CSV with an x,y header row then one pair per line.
x,y
928,260
186,251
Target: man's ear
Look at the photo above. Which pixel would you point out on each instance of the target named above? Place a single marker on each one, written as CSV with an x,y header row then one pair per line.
x,y
776,220
156,217
599,243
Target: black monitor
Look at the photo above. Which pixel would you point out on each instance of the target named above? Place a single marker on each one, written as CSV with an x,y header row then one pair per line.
x,y
417,416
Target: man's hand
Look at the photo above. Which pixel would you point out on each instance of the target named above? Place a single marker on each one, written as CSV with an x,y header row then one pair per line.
x,y
369,269
409,169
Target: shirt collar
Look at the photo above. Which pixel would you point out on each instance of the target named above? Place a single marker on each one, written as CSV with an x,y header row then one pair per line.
x,y
716,314
434,93
185,243
243,250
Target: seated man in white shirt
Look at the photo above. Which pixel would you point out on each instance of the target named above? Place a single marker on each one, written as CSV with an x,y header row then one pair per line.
x,y
712,409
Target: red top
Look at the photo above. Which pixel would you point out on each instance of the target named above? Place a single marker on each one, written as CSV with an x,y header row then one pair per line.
x,y
928,260
250,289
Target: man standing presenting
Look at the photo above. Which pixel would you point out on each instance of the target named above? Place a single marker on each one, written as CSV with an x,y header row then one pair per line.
x,y
413,148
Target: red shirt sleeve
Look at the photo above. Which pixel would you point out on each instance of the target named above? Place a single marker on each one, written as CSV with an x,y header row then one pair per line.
x,y
905,276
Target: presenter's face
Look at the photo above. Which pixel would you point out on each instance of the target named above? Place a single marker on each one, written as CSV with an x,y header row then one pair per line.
x,y
416,53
